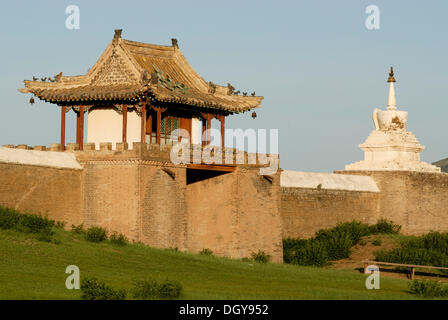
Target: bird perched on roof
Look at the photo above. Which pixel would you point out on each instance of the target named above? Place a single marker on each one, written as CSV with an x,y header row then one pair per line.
x,y
51,80
253,94
35,78
244,93
237,92
230,89
58,76
43,79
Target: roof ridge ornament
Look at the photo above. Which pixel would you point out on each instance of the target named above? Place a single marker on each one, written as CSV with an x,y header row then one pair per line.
x,y
117,37
117,34
174,43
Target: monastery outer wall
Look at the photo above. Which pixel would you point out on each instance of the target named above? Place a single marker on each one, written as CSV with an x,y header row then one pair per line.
x,y
212,214
314,201
163,206
417,201
235,214
305,211
110,194
46,190
259,215
143,195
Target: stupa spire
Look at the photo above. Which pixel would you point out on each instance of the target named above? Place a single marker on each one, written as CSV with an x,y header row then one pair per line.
x,y
391,101
390,146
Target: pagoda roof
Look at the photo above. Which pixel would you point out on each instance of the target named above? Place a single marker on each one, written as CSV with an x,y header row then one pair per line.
x,y
133,71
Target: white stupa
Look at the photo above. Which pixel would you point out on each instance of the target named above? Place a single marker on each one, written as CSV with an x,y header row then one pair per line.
x,y
390,146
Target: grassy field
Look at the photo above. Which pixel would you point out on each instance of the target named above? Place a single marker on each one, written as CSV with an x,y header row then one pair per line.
x,y
31,269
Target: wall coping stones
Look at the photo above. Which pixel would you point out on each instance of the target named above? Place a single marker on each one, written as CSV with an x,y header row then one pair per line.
x,y
330,181
66,160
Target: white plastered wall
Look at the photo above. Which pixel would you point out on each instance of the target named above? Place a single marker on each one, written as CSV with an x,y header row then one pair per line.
x,y
330,181
106,125
196,131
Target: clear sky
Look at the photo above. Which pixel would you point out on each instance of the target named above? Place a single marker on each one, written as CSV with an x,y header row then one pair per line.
x,y
320,70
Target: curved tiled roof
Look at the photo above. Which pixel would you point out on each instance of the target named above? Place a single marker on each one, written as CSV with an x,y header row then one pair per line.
x,y
129,70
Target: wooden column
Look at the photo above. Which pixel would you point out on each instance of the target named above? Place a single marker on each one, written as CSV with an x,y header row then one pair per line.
x,y
78,114
149,125
125,123
190,128
159,123
63,127
223,129
143,129
81,128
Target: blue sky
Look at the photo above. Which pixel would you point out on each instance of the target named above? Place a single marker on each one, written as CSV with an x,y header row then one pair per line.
x,y
321,71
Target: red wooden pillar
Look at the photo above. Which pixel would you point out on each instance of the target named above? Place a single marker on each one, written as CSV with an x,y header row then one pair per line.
x,y
125,123
190,128
149,126
63,127
143,129
77,127
159,123
81,128
223,126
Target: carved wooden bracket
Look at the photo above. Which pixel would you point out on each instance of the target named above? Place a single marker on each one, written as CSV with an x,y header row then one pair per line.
x,y
78,107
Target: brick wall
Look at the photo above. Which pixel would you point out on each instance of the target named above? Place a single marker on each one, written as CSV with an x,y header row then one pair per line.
x,y
142,194
163,206
415,200
110,196
235,214
418,201
45,190
212,213
305,211
259,219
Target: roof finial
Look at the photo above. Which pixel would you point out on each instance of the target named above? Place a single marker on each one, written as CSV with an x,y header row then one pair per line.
x,y
117,34
391,101
391,75
174,42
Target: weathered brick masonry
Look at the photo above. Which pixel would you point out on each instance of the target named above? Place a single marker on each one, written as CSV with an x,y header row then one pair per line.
x,y
54,191
305,211
415,200
143,195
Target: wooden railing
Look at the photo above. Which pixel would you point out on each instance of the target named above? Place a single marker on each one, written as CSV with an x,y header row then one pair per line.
x,y
412,266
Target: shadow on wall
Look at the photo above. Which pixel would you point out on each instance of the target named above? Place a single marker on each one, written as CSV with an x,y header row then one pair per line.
x,y
195,175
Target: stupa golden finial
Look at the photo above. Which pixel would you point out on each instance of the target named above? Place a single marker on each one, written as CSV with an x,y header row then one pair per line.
x,y
391,75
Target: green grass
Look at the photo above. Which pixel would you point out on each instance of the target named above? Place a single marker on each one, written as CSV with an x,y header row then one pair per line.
x,y
32,269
